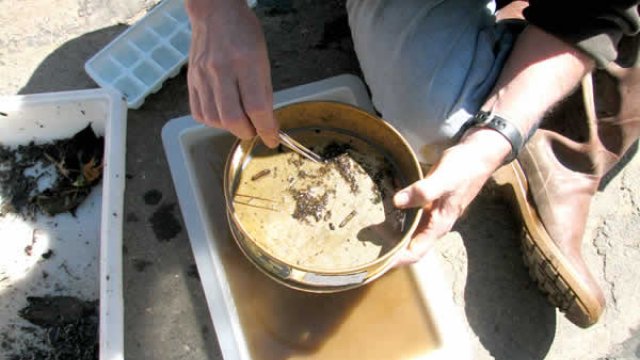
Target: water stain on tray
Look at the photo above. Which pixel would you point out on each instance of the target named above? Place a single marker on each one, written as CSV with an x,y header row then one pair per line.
x,y
386,319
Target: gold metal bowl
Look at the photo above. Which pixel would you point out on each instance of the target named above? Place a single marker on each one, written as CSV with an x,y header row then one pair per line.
x,y
322,227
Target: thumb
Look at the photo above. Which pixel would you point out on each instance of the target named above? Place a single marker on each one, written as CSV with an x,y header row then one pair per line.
x,y
422,242
419,194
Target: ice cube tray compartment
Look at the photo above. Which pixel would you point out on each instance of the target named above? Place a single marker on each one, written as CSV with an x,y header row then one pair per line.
x,y
166,57
181,41
148,72
126,55
139,60
130,87
144,39
153,49
109,69
163,25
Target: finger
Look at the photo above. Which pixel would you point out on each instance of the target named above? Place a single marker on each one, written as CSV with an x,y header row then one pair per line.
x,y
423,241
201,100
257,101
194,100
419,247
210,113
405,257
432,227
419,194
232,116
256,90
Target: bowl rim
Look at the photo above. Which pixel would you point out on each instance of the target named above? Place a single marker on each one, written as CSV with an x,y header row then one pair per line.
x,y
379,262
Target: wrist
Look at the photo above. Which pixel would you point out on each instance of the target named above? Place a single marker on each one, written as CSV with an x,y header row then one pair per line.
x,y
508,130
522,116
488,145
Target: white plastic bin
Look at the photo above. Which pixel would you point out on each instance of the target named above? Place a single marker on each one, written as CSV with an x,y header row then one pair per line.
x,y
87,247
193,161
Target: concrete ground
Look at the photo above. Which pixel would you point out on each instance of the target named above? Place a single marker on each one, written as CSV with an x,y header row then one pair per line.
x,y
44,49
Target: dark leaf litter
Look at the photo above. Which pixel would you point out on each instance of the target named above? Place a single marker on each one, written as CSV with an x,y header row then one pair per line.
x,y
70,329
70,167
77,166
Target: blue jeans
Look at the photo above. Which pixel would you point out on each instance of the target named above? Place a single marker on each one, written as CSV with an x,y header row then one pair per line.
x,y
429,64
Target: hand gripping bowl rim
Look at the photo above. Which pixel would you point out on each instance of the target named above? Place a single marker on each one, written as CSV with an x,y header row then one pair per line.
x,y
371,270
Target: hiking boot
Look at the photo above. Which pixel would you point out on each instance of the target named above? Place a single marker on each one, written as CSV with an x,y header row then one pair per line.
x,y
556,176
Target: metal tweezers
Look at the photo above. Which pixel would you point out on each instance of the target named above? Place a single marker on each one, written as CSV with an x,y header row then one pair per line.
x,y
298,148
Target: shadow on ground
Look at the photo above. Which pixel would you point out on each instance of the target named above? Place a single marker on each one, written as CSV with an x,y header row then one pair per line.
x,y
166,315
63,69
504,307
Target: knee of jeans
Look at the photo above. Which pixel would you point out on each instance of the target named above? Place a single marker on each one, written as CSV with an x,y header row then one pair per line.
x,y
414,120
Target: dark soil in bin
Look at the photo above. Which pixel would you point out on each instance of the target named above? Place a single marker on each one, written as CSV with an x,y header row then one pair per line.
x,y
69,168
70,329
75,164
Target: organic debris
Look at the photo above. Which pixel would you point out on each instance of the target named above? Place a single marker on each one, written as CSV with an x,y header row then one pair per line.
x,y
29,248
261,174
348,218
338,155
74,165
49,253
334,149
344,165
309,204
71,328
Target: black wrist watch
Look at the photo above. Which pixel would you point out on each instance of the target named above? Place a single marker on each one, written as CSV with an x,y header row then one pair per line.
x,y
484,119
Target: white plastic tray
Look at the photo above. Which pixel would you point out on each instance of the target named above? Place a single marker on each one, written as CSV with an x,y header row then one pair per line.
x,y
139,60
204,215
87,258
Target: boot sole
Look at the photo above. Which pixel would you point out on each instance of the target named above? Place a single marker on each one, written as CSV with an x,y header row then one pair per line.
x,y
548,266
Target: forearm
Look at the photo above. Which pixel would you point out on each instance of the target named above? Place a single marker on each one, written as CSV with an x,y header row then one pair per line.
x,y
540,71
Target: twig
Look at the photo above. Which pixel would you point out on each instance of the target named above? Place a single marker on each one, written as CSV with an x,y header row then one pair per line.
x,y
261,174
249,200
348,218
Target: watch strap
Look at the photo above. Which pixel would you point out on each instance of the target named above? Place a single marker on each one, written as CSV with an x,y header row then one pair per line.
x,y
484,119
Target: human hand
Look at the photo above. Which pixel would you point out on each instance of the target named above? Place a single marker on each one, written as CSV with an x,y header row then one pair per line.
x,y
522,94
449,187
229,74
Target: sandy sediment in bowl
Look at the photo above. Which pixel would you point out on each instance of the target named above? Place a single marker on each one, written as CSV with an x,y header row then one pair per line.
x,y
325,217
